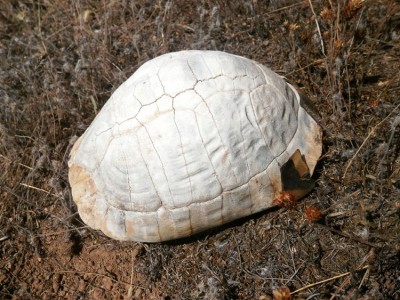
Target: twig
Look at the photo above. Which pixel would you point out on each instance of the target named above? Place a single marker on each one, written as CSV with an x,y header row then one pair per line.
x,y
341,233
346,281
325,280
130,289
283,8
97,275
4,238
39,189
396,122
25,166
366,139
317,61
341,200
57,32
319,30
60,232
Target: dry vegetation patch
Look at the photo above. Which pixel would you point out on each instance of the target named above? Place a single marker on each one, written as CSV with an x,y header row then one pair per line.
x,y
61,60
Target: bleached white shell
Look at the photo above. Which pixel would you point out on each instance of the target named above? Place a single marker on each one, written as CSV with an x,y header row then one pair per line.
x,y
192,140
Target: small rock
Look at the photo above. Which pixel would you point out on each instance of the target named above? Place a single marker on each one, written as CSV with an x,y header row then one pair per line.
x,y
56,282
82,285
107,283
138,293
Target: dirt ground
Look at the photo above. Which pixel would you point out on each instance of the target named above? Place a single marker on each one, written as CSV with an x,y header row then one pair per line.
x,y
61,60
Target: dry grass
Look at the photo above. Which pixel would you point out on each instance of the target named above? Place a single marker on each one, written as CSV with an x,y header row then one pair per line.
x,y
60,61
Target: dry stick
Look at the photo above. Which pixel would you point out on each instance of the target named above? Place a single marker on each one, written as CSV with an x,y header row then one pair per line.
x,y
396,122
58,31
130,289
347,71
60,232
39,189
366,139
318,61
319,30
345,198
25,166
6,237
283,8
346,235
325,280
97,275
346,281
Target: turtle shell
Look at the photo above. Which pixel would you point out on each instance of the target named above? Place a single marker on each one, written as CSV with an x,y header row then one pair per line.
x,y
192,140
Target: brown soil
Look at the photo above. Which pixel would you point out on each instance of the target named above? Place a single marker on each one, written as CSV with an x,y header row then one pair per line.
x,y
61,60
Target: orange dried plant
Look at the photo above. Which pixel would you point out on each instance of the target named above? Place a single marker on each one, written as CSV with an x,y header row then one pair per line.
x,y
339,44
373,103
313,213
283,293
352,7
327,14
285,199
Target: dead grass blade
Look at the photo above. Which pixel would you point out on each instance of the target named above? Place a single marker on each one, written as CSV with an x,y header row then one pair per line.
x,y
325,280
373,130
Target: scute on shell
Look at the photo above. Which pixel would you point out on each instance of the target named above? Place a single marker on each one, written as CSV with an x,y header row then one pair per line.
x,y
192,140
